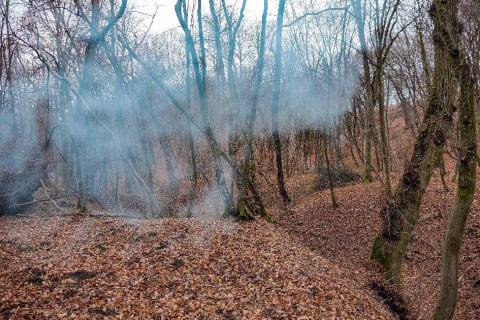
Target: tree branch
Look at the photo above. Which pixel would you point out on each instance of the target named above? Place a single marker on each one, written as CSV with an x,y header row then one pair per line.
x,y
308,14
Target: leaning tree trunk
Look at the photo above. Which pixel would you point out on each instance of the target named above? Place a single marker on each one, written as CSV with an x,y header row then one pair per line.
x,y
200,72
464,196
401,213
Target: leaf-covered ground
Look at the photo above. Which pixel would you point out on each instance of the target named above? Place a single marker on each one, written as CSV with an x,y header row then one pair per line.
x,y
344,236
84,267
311,262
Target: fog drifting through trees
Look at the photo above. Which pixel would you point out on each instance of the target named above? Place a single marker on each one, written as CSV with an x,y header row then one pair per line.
x,y
213,116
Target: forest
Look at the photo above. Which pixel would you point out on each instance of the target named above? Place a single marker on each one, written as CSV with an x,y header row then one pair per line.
x,y
239,159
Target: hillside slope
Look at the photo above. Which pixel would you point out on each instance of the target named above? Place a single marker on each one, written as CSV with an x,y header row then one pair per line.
x,y
344,236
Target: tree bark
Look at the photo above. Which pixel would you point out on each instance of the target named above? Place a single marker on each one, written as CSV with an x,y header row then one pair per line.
x,y
383,125
190,141
248,161
86,83
329,171
220,65
464,195
275,104
370,101
401,214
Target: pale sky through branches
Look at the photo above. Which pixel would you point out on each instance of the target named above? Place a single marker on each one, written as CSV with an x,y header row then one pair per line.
x,y
166,18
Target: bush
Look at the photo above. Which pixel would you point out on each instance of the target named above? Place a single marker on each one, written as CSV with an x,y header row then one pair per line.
x,y
340,177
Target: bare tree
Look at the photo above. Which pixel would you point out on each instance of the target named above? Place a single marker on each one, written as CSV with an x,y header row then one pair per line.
x,y
466,179
402,212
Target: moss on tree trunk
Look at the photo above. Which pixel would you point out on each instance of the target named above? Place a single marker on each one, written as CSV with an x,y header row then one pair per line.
x,y
400,215
464,197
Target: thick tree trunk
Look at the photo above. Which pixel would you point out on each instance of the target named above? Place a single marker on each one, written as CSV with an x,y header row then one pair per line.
x,y
401,214
84,135
86,83
464,197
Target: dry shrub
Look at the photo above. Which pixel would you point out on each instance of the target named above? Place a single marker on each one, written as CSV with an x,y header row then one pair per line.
x,y
340,177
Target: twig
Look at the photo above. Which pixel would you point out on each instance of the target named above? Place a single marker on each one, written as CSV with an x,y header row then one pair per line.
x,y
317,13
45,191
45,199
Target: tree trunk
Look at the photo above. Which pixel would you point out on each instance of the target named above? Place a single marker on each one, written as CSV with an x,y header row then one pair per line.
x,y
464,195
190,141
370,101
169,159
401,214
275,104
248,162
219,64
383,125
329,171
86,83
200,70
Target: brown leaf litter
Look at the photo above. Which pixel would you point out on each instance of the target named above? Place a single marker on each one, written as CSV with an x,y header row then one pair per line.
x,y
87,267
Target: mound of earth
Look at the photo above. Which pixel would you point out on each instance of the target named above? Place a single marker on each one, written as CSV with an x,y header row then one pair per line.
x,y
84,267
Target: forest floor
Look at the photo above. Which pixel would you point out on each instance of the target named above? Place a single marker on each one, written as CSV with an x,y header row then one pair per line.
x,y
345,235
84,267
309,262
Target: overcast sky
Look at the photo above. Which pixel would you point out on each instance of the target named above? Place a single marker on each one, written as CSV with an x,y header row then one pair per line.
x,y
166,18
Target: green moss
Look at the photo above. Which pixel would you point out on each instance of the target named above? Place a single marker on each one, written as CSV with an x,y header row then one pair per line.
x,y
379,254
270,219
387,256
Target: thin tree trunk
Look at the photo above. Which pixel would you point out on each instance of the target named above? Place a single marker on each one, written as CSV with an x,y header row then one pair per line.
x,y
190,141
248,162
220,65
275,104
423,55
200,80
329,172
370,102
167,152
443,173
383,126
